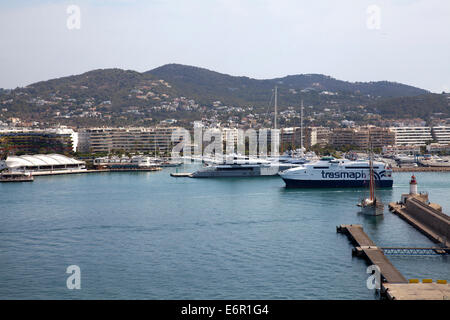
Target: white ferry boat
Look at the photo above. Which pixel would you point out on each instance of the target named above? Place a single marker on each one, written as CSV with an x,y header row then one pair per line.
x,y
329,172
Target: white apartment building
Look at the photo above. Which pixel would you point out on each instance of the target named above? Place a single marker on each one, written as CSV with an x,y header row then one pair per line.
x,y
230,134
412,135
421,135
97,140
441,134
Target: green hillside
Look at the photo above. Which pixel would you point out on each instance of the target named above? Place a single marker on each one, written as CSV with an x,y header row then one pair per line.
x,y
173,91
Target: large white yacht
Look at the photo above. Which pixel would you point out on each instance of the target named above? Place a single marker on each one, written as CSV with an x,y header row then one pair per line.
x,y
329,172
243,167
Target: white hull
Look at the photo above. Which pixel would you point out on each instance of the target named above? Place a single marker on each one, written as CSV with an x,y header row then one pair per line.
x,y
337,173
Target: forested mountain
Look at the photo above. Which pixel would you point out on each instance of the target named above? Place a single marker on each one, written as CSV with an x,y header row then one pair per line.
x,y
173,91
208,85
422,106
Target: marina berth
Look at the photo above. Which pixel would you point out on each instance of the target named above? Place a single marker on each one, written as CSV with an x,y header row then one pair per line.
x,y
329,172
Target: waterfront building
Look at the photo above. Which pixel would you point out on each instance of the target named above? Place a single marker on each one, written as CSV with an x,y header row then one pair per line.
x,y
410,139
362,137
381,137
441,134
317,135
311,136
33,141
291,138
418,136
230,133
350,137
43,163
106,140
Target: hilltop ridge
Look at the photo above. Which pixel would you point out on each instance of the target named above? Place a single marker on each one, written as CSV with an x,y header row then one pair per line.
x,y
174,91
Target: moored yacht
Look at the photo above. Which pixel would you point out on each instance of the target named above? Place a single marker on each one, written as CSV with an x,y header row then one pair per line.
x,y
243,167
329,172
16,176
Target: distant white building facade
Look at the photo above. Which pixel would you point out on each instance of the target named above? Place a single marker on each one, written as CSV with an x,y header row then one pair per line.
x,y
418,136
106,140
441,134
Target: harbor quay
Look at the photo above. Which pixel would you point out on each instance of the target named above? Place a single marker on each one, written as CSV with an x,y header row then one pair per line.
x,y
421,169
427,218
391,283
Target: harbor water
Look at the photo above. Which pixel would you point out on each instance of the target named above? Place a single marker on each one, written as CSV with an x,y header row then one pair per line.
x,y
147,235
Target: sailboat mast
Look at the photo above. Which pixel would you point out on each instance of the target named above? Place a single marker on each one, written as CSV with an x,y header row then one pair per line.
x,y
371,179
301,125
276,108
372,175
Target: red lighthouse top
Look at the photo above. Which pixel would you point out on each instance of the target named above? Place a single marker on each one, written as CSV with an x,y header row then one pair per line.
x,y
413,180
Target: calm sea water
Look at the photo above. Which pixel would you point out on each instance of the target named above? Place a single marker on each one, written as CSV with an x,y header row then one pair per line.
x,y
151,236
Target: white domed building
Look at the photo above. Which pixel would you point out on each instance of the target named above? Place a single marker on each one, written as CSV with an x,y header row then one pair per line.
x,y
43,164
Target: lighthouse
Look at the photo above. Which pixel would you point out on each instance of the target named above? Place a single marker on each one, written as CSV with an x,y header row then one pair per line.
x,y
413,193
413,185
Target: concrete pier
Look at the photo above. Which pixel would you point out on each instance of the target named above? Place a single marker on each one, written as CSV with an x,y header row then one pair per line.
x,y
394,286
425,217
417,291
63,172
366,248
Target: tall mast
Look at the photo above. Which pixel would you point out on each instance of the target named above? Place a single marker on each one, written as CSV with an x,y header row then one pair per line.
x,y
301,126
372,178
275,120
372,187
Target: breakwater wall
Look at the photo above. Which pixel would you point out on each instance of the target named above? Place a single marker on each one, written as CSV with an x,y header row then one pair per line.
x,y
430,221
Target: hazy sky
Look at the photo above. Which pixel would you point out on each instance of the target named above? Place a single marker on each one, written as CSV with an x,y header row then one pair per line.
x,y
260,39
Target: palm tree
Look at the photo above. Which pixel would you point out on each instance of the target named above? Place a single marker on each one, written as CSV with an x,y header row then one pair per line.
x,y
4,148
